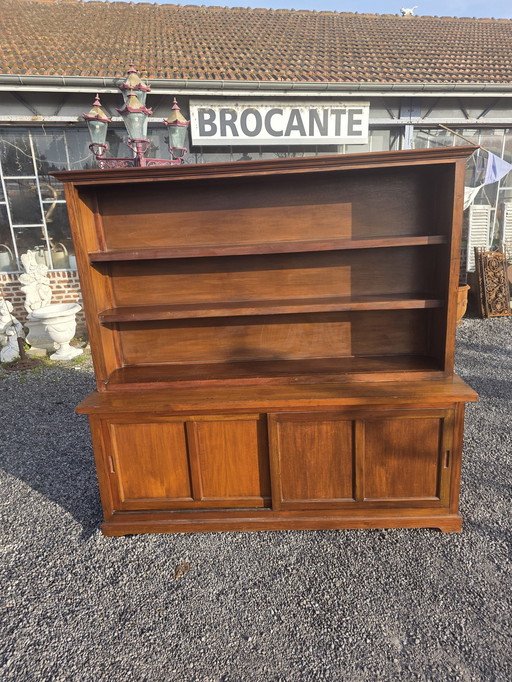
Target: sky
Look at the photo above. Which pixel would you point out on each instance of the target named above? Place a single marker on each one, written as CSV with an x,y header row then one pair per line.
x,y
499,9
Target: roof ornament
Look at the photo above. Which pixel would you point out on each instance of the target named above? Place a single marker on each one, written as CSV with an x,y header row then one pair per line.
x,y
408,11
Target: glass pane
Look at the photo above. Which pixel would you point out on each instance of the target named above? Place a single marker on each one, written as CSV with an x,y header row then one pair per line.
x,y
356,148
60,237
246,156
117,139
506,195
193,157
159,143
492,140
77,140
507,155
472,135
51,188
50,150
23,202
282,151
426,138
395,139
421,139
380,140
475,168
497,141
56,216
30,238
508,145
290,153
15,152
325,149
216,157
79,154
487,195
7,256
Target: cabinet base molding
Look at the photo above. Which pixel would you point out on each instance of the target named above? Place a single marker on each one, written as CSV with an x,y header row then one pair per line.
x,y
130,524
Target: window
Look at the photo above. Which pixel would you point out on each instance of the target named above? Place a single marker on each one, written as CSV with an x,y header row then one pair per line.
x,y
497,195
32,207
33,212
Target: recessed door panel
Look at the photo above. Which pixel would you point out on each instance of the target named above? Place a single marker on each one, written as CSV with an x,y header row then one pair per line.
x,y
194,462
229,461
404,459
313,460
361,459
150,463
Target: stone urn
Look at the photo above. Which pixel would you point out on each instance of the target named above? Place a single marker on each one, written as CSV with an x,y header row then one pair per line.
x,y
37,335
59,320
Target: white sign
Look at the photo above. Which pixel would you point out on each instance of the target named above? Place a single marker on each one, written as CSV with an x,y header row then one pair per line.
x,y
264,123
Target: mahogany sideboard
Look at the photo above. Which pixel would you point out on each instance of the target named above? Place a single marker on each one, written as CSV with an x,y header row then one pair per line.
x,y
273,341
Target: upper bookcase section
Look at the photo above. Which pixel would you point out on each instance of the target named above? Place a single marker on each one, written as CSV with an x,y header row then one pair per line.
x,y
273,206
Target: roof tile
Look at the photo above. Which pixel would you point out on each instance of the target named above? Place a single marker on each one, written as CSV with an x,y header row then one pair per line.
x,y
174,41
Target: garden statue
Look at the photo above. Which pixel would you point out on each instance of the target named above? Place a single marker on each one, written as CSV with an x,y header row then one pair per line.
x,y
38,294
36,285
10,331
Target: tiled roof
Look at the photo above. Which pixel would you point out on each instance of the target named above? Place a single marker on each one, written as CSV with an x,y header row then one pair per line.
x,y
74,38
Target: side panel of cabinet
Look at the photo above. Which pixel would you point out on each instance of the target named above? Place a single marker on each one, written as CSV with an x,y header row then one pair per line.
x,y
186,463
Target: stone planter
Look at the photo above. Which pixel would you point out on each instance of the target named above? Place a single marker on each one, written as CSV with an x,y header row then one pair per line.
x,y
37,336
59,320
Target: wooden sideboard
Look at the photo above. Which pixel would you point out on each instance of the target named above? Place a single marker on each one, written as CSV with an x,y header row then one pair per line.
x,y
273,341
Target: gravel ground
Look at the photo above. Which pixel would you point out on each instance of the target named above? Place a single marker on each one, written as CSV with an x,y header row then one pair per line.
x,y
349,606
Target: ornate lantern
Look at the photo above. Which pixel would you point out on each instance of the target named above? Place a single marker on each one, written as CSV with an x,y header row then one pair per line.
x,y
135,116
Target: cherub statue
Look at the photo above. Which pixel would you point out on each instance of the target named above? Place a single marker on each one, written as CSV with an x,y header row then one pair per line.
x,y
10,331
36,285
5,319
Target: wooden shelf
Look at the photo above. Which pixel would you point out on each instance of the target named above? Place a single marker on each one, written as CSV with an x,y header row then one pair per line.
x,y
240,249
308,371
268,307
324,395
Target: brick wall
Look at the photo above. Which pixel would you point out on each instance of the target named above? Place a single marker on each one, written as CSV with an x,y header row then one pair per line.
x,y
65,289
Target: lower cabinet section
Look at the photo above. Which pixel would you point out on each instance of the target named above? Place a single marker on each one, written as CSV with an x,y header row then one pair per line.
x,y
321,469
